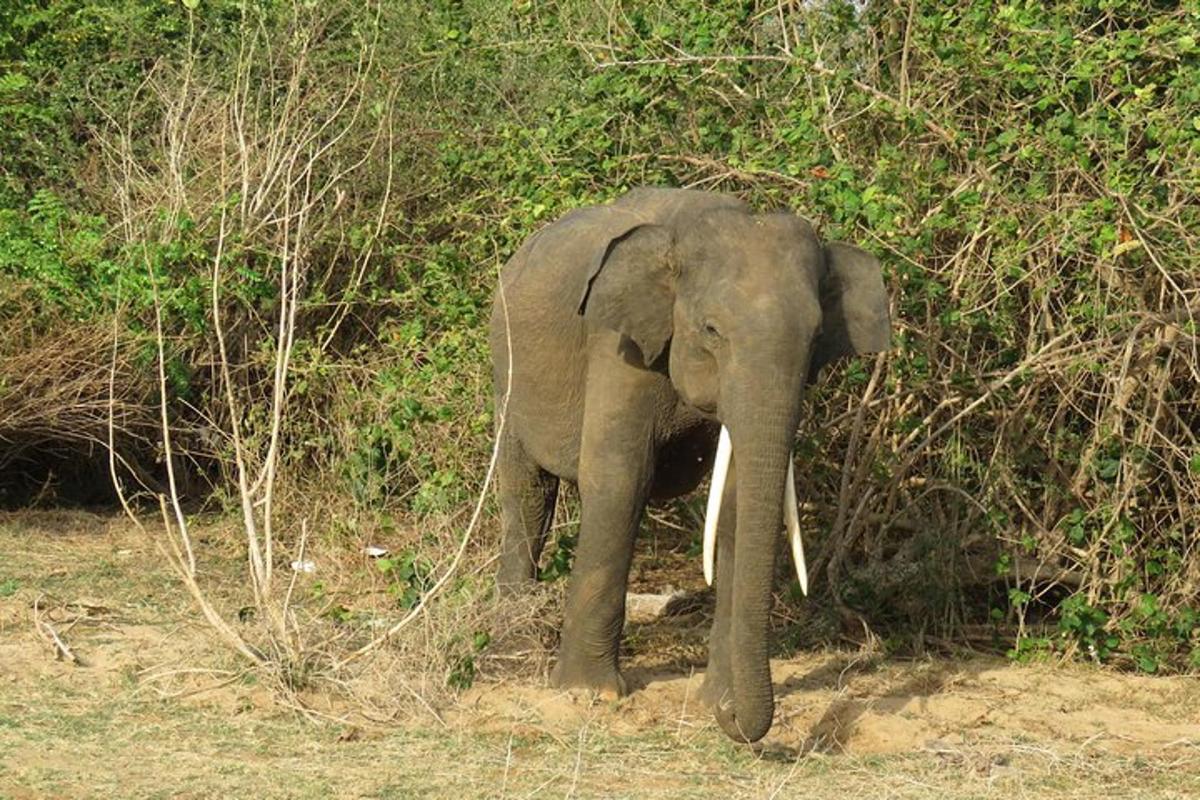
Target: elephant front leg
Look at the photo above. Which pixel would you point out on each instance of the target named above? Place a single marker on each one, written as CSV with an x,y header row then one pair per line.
x,y
718,677
595,609
527,497
615,469
616,458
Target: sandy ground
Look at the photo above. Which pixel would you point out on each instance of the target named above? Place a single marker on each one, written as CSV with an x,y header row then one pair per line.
x,y
831,704
154,709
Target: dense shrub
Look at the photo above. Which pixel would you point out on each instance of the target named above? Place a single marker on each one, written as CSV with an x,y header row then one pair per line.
x,y
1027,172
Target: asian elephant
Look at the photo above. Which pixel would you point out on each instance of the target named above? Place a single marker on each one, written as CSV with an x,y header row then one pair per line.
x,y
627,339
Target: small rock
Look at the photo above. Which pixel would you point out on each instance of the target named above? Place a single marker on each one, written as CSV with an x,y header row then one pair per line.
x,y
642,608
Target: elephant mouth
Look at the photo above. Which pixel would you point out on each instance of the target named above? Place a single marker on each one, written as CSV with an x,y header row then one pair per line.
x,y
712,514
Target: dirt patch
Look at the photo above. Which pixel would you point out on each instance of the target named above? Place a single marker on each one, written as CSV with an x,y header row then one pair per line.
x,y
832,703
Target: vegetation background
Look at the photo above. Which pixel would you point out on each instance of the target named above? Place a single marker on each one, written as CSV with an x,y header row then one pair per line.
x,y
1021,471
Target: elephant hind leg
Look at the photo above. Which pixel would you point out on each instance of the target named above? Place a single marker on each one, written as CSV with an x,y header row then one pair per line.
x,y
527,497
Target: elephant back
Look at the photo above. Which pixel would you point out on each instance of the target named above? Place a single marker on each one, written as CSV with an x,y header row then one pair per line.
x,y
664,206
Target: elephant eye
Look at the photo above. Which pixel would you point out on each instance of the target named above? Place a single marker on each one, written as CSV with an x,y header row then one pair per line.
x,y
711,330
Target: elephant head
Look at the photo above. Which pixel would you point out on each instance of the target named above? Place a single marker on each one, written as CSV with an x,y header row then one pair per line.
x,y
741,310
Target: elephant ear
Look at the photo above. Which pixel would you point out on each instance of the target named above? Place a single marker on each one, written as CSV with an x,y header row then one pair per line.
x,y
631,288
854,304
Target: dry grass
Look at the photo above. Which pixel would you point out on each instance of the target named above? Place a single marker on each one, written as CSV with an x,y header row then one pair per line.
x,y
154,710
54,387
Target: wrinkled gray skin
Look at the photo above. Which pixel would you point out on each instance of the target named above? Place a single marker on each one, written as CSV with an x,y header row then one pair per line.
x,y
636,329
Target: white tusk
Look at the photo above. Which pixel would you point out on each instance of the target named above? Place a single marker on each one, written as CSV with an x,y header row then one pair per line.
x,y
713,513
791,518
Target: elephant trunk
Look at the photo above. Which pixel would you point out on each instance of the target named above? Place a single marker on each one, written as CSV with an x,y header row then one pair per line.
x,y
762,447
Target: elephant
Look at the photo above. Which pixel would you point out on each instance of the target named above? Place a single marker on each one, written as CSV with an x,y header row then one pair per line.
x,y
636,343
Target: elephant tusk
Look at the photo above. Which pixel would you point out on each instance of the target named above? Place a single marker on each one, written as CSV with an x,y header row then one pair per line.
x,y
713,513
791,518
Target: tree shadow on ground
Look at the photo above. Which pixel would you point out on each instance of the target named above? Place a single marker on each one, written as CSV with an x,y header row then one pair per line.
x,y
838,723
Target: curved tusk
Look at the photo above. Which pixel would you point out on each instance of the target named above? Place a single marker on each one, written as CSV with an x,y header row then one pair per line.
x,y
791,518
713,512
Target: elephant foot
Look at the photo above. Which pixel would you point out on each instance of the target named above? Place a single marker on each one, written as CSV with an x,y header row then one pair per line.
x,y
603,679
